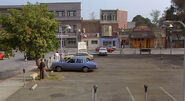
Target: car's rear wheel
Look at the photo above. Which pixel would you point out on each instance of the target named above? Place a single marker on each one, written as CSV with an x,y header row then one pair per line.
x,y
58,69
85,69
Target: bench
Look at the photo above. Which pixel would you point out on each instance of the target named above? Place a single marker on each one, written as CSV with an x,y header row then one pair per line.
x,y
145,50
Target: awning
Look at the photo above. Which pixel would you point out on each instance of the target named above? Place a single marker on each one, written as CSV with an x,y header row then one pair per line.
x,y
142,34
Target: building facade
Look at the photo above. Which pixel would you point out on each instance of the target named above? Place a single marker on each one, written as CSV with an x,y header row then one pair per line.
x,y
111,21
174,37
68,13
91,28
142,37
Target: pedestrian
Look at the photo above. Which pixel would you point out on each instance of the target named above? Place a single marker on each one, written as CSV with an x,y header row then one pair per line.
x,y
50,62
25,57
56,55
42,66
61,56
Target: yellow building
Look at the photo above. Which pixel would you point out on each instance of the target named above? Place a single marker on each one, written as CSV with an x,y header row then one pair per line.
x,y
142,37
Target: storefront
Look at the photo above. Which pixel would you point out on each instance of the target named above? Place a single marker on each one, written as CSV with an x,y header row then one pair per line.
x,y
109,42
92,40
124,41
142,37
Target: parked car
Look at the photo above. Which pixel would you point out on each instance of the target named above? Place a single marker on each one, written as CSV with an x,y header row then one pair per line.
x,y
2,56
109,48
74,63
85,55
103,51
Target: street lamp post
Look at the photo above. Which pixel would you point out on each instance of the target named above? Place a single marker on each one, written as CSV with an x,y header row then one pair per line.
x,y
170,26
180,22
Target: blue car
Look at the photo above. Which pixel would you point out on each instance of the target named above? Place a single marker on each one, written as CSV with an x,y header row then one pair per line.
x,y
74,63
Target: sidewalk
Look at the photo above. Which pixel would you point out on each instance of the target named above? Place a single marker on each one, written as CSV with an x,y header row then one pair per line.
x,y
11,85
153,51
133,51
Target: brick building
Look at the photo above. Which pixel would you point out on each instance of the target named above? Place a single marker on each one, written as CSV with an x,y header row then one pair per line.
x,y
111,21
92,30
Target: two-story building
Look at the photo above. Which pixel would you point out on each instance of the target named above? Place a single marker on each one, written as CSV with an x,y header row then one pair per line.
x,y
111,21
68,13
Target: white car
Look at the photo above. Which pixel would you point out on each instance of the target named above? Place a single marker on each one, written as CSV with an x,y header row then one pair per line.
x,y
103,51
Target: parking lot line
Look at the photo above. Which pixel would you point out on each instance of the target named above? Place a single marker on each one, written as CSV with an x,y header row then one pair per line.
x,y
172,97
130,93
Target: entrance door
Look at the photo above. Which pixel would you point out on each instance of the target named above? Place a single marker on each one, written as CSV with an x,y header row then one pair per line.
x,y
147,43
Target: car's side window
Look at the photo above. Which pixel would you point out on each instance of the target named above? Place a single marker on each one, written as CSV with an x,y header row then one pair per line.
x,y
79,61
71,61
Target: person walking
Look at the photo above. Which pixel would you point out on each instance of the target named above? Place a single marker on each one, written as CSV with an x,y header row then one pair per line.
x,y
25,57
56,55
42,66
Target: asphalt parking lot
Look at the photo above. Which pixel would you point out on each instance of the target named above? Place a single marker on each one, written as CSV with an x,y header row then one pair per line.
x,y
119,78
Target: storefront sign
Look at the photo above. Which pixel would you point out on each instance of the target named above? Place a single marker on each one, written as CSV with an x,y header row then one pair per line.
x,y
142,28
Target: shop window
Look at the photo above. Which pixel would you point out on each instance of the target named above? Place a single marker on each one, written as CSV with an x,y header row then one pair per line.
x,y
107,43
94,42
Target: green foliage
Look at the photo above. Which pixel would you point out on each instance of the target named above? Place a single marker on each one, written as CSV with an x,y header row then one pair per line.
x,y
32,30
140,20
155,17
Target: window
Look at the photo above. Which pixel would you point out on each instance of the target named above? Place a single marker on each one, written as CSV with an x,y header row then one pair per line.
x,y
71,61
71,13
73,28
71,41
81,54
107,30
60,13
79,61
94,42
59,29
104,17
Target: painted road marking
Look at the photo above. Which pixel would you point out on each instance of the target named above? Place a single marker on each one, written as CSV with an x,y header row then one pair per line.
x,y
131,95
174,99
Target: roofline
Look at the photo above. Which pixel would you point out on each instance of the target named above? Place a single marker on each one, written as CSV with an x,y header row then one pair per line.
x,y
112,10
91,20
11,6
8,6
62,3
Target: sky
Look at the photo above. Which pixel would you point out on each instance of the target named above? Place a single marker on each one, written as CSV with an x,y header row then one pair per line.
x,y
134,7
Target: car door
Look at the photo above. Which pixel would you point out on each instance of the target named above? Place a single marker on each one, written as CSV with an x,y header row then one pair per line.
x,y
79,64
69,65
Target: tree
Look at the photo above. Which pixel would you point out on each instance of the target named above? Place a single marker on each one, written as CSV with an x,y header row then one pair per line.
x,y
92,15
140,20
31,30
179,4
155,17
